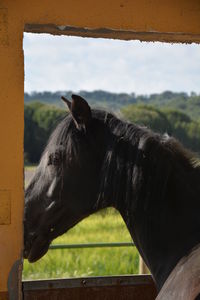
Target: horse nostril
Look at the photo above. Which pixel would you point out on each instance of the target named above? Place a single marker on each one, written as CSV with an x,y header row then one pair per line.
x,y
25,254
26,249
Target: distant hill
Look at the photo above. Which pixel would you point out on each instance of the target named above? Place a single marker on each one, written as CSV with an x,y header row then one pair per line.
x,y
189,104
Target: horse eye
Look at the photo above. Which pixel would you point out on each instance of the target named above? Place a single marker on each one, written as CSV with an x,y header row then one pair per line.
x,y
50,160
54,159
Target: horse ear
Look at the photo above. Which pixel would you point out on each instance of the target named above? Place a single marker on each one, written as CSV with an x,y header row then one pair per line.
x,y
80,111
67,102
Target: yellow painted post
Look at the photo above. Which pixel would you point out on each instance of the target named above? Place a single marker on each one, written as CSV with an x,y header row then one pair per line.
x,y
11,151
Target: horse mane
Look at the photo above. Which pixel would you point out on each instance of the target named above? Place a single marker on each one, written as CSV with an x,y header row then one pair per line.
x,y
134,160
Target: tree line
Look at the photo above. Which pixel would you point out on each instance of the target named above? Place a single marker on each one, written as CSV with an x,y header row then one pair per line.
x,y
167,120
41,119
189,103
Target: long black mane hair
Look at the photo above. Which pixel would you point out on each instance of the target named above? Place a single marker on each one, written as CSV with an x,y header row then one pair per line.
x,y
140,156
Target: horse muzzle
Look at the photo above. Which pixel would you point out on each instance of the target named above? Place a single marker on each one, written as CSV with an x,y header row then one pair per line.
x,y
35,248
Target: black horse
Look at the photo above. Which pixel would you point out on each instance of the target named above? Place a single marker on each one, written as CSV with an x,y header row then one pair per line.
x,y
94,160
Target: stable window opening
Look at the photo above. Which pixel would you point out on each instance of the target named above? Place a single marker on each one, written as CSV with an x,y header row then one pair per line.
x,y
150,84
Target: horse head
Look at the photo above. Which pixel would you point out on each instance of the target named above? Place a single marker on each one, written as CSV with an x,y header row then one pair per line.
x,y
64,188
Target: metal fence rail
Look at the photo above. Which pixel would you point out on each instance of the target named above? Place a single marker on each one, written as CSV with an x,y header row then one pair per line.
x,y
142,267
91,245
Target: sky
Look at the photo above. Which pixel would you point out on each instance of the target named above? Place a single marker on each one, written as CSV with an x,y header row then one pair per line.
x,y
60,63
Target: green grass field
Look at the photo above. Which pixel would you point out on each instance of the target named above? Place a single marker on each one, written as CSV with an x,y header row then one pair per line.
x,y
100,227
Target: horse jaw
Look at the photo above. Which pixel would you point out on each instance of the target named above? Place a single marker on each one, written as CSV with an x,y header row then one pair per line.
x,y
184,281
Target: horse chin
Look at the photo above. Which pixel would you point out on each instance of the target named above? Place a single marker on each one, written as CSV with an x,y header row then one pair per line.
x,y
38,250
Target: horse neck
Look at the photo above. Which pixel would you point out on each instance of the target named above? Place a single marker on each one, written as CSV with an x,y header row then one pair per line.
x,y
153,199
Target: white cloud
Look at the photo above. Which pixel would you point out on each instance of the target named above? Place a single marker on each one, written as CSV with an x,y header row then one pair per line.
x,y
71,63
